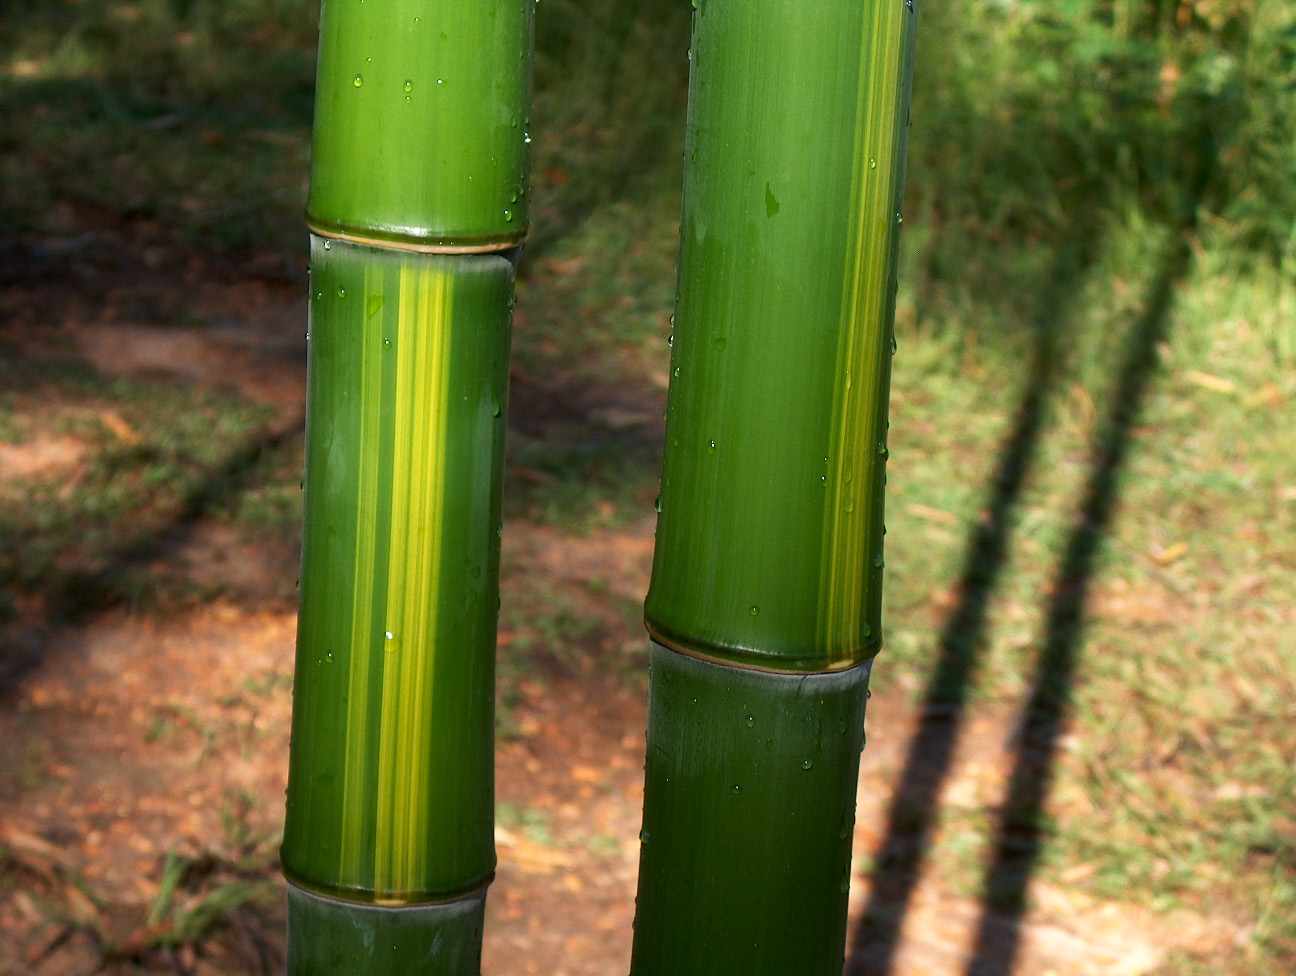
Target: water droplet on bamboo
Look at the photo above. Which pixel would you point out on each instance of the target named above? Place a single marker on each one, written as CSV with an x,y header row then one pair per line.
x,y
807,763
872,163
341,292
755,610
711,447
328,245
508,216
409,85
883,453
893,345
841,727
736,788
496,409
848,504
657,504
878,561
751,721
358,80
720,343
643,836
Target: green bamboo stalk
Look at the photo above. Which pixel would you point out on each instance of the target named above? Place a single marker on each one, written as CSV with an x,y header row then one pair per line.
x,y
765,601
417,205
421,122
769,543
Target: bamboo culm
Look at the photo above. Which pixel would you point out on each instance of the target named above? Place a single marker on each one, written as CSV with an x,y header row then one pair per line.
x,y
765,602
416,209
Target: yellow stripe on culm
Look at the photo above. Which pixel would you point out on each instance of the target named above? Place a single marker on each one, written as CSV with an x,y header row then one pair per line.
x,y
845,564
413,572
356,800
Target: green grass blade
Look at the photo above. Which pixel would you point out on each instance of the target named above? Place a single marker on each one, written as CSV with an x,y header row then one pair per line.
x,y
769,545
390,783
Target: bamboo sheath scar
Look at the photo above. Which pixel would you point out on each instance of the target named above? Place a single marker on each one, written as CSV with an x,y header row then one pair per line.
x,y
765,600
417,206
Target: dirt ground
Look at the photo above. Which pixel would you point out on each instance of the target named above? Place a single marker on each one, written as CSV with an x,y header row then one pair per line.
x,y
135,744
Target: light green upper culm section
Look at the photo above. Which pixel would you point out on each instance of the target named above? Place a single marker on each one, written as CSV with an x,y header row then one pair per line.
x,y
769,542
415,142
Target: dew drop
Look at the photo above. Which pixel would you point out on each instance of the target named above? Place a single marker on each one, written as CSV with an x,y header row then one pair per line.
x,y
390,635
508,216
329,655
872,163
883,453
409,85
899,218
341,293
844,885
711,447
357,81
751,721
755,610
308,337
736,788
807,763
878,561
328,245
893,345
670,339
848,504
496,409
386,341
643,836
677,371
720,343
841,727
657,503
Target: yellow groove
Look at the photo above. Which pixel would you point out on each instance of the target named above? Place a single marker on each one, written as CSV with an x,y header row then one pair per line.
x,y
845,565
413,573
355,800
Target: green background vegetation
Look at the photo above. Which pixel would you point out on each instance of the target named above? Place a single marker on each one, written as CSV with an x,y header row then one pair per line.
x,y
1092,491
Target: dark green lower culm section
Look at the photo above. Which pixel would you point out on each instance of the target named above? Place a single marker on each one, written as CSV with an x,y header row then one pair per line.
x,y
749,805
330,937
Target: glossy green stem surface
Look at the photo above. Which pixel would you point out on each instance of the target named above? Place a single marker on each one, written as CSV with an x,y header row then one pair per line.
x,y
327,937
420,121
390,795
769,542
749,804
